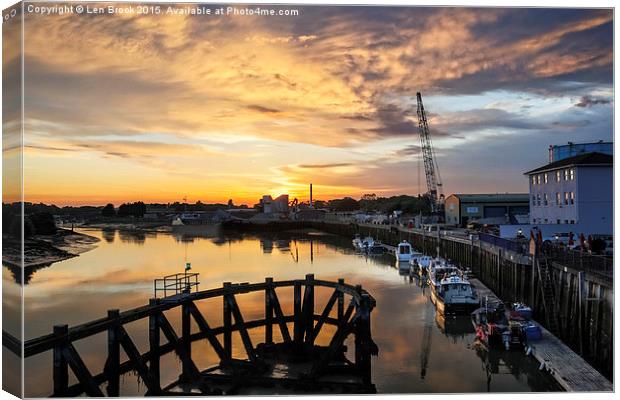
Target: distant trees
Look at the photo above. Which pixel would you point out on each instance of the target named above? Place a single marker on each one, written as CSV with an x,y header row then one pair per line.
x,y
371,202
43,223
137,209
108,210
37,223
346,204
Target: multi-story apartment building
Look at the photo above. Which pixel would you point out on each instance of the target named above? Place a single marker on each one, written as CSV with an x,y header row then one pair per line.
x,y
575,192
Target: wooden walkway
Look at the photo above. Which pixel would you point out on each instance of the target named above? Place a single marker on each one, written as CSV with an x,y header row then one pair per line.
x,y
571,371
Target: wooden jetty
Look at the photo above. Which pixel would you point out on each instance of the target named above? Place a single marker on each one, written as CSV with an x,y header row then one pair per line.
x,y
571,371
313,368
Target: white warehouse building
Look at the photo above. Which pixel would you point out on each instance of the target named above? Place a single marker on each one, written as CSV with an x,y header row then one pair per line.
x,y
573,194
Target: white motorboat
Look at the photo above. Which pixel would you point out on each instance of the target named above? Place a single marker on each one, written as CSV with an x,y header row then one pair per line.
x,y
438,270
420,260
357,242
363,244
454,295
404,252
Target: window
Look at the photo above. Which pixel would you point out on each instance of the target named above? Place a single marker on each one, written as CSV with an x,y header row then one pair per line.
x,y
538,199
557,176
558,199
566,198
533,179
545,199
533,200
572,197
557,221
572,221
566,221
571,174
538,179
545,177
546,221
566,174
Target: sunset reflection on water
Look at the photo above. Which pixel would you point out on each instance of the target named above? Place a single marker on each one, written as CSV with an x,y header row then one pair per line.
x,y
119,273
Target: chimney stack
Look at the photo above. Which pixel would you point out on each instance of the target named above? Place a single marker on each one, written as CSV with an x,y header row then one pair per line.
x,y
311,206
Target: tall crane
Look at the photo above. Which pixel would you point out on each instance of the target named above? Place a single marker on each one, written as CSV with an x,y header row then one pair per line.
x,y
433,179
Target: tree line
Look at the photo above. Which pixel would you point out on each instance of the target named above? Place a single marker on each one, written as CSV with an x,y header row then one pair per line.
x,y
373,203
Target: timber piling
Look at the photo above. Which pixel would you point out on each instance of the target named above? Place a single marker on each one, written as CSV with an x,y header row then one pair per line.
x,y
352,376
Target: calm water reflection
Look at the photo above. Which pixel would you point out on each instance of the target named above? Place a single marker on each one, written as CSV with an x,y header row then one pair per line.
x,y
419,351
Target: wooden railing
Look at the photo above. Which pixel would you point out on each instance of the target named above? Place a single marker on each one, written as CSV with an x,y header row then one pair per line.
x,y
351,318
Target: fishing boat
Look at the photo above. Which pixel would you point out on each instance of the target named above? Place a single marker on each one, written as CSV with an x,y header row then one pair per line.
x,y
404,252
376,249
419,260
454,295
363,244
438,270
357,242
495,328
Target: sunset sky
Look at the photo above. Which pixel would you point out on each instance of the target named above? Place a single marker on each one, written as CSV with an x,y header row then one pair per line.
x,y
155,108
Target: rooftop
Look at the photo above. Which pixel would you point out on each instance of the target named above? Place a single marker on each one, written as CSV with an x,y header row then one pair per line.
x,y
493,197
592,159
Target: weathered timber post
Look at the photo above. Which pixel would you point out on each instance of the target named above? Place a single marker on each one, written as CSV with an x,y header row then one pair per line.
x,y
154,354
438,242
186,340
114,357
61,368
308,310
498,274
298,328
581,305
268,311
227,320
533,279
340,301
363,340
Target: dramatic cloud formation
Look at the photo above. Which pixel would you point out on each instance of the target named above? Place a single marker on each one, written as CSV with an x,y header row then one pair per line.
x,y
158,107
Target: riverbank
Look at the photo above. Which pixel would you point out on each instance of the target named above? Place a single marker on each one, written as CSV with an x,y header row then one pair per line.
x,y
132,226
42,250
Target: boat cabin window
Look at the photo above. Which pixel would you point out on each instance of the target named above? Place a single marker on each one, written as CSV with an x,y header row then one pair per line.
x,y
404,249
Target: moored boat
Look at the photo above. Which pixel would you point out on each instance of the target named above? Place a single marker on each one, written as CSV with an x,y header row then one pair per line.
x,y
495,328
438,270
454,295
364,244
403,252
420,260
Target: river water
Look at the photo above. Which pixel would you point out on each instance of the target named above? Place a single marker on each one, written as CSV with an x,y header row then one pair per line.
x,y
419,351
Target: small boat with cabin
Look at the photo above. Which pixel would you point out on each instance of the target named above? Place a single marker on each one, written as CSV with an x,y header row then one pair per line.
x,y
438,270
495,327
454,295
363,244
419,260
403,252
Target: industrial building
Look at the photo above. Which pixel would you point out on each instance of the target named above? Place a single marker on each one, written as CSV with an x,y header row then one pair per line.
x,y
562,151
274,206
486,208
573,194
